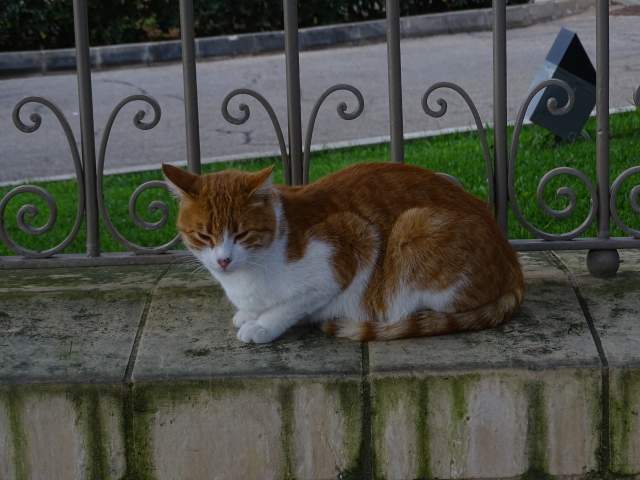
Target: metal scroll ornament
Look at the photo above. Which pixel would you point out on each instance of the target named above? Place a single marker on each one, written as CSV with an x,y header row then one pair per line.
x,y
442,110
634,194
343,113
245,113
27,213
155,206
565,192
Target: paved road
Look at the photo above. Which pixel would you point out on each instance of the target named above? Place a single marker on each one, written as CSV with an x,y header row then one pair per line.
x,y
461,58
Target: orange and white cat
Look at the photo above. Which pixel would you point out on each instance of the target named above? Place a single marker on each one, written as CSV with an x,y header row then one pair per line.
x,y
375,251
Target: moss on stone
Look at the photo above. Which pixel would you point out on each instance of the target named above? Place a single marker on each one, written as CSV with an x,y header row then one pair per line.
x,y
87,406
18,439
285,397
349,393
459,404
536,433
422,430
388,392
137,406
623,416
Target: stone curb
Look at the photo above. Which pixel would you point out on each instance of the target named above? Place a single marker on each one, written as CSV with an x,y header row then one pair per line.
x,y
43,61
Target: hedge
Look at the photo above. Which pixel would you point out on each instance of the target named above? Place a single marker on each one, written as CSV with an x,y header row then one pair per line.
x,y
36,24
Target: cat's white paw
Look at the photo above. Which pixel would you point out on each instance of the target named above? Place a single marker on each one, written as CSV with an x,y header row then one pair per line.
x,y
252,332
241,317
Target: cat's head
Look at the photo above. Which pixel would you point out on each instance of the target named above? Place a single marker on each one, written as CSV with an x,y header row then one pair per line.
x,y
225,218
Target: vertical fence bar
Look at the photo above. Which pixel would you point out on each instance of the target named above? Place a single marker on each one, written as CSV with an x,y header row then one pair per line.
x,y
292,58
602,112
500,110
190,85
602,263
394,64
87,130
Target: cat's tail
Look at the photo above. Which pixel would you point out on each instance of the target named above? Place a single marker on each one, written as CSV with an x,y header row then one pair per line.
x,y
428,322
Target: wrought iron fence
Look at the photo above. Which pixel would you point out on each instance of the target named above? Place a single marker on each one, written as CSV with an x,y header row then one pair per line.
x,y
295,151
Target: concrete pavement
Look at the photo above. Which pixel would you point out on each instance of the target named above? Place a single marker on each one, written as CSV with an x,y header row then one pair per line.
x,y
461,58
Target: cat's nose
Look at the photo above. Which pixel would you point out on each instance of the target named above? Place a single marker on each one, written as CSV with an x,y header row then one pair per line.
x,y
224,262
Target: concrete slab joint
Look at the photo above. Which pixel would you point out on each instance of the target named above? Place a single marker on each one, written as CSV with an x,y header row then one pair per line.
x,y
133,372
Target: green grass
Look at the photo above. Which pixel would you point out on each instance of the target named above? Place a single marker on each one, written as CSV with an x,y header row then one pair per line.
x,y
457,154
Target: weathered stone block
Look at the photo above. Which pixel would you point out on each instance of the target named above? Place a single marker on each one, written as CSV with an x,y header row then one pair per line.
x,y
449,425
63,433
614,305
230,429
625,421
526,395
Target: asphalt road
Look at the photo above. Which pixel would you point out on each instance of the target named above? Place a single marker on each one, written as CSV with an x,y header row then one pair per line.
x,y
465,59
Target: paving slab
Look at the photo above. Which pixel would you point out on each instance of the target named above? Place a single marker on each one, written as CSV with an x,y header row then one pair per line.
x,y
527,394
71,326
614,305
189,335
70,337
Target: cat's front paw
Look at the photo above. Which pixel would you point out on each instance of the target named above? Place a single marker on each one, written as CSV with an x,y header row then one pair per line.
x,y
242,316
252,332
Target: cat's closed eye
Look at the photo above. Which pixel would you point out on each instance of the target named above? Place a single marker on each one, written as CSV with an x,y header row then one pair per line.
x,y
241,236
205,237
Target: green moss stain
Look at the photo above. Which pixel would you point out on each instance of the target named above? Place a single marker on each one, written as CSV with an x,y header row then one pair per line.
x,y
422,430
87,407
137,406
459,403
349,395
15,410
414,393
285,397
96,436
625,409
536,433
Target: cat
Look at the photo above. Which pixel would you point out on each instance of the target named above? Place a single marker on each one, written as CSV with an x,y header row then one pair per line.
x,y
373,252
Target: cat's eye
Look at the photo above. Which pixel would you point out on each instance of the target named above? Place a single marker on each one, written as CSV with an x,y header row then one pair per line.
x,y
241,236
205,237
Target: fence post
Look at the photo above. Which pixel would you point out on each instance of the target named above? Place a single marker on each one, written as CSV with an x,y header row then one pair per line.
x,y
292,58
500,111
602,263
394,64
87,130
190,86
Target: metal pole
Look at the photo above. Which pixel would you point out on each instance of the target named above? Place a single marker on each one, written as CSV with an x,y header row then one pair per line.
x,y
292,58
87,130
190,85
602,263
500,109
394,64
602,111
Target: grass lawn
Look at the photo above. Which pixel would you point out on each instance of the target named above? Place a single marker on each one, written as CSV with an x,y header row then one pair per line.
x,y
457,154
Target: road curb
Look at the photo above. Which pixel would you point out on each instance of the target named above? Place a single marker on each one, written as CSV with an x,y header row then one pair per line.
x,y
43,61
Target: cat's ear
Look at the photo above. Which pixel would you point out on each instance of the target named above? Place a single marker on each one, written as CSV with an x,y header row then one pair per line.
x,y
180,182
262,181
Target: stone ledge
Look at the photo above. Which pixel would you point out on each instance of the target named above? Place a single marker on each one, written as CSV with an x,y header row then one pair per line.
x,y
186,399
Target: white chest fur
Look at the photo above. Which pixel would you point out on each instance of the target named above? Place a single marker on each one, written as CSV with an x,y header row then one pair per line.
x,y
268,279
